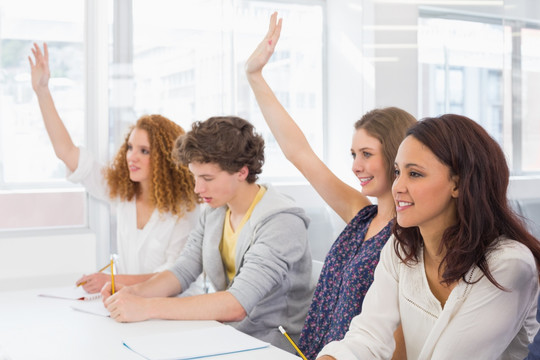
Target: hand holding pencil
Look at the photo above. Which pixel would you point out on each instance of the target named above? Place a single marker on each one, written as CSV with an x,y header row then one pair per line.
x,y
94,282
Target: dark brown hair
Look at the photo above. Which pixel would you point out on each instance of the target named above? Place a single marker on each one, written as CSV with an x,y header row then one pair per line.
x,y
172,184
228,141
389,126
483,210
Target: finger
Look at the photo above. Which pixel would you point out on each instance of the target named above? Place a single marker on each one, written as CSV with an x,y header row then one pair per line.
x,y
37,51
271,25
30,61
46,50
277,32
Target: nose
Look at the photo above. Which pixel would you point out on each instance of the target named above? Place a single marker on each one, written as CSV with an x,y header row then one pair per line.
x,y
131,155
358,165
198,187
399,185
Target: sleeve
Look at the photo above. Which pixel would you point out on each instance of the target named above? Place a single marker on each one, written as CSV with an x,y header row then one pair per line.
x,y
491,316
280,243
188,266
371,333
89,173
534,347
179,238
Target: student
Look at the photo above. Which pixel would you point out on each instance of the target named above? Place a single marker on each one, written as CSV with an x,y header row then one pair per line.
x,y
155,203
461,275
348,268
250,242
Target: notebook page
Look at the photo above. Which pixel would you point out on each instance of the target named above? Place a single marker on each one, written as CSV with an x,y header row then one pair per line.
x,y
193,344
69,293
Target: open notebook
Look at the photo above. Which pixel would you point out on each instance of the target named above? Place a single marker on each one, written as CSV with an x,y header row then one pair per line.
x,y
193,344
70,293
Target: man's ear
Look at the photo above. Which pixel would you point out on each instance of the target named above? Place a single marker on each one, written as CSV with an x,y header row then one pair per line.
x,y
243,173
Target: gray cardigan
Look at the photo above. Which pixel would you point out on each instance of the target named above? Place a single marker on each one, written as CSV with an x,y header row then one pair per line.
x,y
273,266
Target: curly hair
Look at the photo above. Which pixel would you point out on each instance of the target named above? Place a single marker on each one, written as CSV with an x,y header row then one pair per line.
x,y
172,185
483,210
389,126
228,141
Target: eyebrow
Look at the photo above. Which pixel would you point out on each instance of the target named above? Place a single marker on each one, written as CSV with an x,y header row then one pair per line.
x,y
409,165
364,148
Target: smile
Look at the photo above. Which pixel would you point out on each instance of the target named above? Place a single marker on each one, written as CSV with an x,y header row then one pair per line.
x,y
365,180
402,205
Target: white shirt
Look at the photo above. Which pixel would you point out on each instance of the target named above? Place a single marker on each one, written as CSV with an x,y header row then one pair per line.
x,y
479,321
140,251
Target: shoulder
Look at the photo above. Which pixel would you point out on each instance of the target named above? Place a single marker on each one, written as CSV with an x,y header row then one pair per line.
x,y
510,250
365,214
512,263
275,203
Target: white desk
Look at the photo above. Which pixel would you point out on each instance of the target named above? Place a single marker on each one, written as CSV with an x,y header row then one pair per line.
x,y
33,327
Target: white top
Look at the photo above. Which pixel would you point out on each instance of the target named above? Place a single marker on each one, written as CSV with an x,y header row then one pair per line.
x,y
140,251
479,321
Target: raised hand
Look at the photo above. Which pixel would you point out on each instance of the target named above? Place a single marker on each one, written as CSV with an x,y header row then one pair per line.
x,y
265,49
40,70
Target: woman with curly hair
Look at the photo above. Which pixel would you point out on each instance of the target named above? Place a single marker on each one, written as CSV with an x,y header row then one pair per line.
x,y
154,197
461,273
250,243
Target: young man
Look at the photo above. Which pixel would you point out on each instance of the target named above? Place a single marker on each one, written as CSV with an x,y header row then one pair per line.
x,y
250,242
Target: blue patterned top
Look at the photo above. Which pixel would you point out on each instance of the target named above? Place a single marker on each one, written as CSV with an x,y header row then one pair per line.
x,y
345,278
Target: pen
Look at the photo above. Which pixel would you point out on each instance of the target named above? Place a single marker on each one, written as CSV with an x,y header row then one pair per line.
x,y
292,342
100,270
112,276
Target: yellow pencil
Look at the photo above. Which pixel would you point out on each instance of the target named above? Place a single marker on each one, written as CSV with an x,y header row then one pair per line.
x,y
100,270
292,342
112,276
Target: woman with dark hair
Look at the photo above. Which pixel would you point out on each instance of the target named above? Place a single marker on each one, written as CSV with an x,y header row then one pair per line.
x,y
348,268
153,196
461,274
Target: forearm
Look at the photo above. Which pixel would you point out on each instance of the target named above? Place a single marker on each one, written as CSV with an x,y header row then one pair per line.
x,y
63,145
289,136
220,306
132,279
162,284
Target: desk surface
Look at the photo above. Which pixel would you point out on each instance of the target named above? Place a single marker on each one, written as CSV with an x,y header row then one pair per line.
x,y
33,327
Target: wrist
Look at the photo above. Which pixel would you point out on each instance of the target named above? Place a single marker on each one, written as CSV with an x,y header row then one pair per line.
x,y
42,90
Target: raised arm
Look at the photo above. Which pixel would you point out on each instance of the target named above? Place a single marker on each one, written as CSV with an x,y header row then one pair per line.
x,y
345,200
63,146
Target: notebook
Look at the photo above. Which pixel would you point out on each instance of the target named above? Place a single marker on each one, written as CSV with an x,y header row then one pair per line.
x,y
92,307
70,293
193,344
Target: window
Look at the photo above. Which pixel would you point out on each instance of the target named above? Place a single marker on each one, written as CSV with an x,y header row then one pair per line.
x,y
183,59
487,69
188,65
32,179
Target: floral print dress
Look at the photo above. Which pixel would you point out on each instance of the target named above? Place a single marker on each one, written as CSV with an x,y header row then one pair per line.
x,y
345,278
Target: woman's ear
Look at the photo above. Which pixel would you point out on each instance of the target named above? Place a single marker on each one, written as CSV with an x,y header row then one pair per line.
x,y
455,189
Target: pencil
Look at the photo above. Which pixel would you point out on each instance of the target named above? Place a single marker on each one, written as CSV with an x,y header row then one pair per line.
x,y
112,276
100,270
292,342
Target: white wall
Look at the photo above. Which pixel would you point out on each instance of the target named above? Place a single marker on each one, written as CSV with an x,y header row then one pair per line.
x,y
44,261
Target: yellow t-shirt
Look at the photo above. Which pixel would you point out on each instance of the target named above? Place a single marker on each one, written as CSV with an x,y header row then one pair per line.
x,y
227,247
